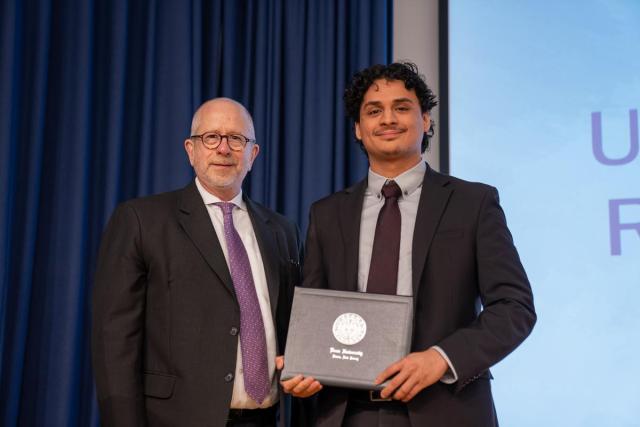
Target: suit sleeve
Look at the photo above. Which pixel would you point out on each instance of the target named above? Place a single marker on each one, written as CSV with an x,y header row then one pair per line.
x,y
299,250
291,256
508,313
313,271
118,321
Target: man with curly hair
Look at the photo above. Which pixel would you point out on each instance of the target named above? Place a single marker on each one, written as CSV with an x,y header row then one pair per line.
x,y
409,230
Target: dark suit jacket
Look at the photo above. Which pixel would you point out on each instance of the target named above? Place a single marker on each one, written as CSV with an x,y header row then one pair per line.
x,y
471,294
165,316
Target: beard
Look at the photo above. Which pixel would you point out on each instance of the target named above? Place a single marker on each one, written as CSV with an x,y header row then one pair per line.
x,y
222,180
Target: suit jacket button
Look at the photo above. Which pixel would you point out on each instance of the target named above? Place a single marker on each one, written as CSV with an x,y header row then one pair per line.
x,y
233,331
228,377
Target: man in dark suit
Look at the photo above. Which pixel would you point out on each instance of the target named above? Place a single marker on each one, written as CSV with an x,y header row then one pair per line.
x,y
408,230
193,292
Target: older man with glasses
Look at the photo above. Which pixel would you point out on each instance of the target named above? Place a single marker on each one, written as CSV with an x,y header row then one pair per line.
x,y
193,291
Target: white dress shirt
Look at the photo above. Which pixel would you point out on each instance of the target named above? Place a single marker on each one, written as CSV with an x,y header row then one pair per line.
x,y
410,182
242,222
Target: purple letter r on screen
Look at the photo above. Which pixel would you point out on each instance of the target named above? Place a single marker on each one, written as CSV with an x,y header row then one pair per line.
x,y
615,228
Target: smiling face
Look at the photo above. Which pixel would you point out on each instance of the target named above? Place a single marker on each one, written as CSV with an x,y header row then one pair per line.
x,y
391,127
221,170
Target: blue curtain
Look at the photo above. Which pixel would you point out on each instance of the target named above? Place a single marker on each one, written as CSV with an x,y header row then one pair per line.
x,y
96,100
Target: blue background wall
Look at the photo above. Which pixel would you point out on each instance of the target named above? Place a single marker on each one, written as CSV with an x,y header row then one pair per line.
x,y
526,79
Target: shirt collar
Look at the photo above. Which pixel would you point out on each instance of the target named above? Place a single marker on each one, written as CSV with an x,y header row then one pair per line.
x,y
408,181
210,199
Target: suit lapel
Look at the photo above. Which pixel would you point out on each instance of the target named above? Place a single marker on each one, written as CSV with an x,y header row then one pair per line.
x,y
433,200
267,239
195,221
350,215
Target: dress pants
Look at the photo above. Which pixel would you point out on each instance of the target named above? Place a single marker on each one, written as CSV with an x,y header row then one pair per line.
x,y
252,417
361,413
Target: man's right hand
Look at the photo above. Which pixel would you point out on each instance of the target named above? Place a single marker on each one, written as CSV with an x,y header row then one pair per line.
x,y
298,386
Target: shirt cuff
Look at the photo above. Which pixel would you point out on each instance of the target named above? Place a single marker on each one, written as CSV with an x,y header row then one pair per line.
x,y
450,376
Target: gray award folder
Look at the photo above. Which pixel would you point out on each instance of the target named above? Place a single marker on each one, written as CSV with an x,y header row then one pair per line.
x,y
346,339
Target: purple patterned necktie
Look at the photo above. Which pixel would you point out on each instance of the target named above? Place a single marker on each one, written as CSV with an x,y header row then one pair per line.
x,y
383,270
252,337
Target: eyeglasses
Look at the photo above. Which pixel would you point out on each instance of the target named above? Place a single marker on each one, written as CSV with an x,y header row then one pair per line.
x,y
212,140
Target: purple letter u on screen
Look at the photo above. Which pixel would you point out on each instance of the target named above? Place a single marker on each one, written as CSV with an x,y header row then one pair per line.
x,y
615,227
596,140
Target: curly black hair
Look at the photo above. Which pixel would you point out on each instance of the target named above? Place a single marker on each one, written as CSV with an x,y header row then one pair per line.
x,y
405,71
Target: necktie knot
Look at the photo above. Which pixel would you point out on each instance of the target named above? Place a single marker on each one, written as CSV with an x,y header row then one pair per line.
x,y
391,190
227,207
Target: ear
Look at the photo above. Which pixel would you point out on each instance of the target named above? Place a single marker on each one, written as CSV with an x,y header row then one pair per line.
x,y
254,153
188,147
426,121
358,133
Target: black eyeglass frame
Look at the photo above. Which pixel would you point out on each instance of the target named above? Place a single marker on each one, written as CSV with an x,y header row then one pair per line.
x,y
223,136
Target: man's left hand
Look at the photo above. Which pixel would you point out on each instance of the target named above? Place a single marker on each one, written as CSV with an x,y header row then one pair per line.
x,y
412,374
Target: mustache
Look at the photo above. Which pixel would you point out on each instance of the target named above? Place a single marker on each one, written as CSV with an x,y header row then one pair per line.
x,y
222,163
384,129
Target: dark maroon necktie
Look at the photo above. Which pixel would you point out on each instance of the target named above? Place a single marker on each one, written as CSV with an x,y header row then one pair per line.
x,y
383,271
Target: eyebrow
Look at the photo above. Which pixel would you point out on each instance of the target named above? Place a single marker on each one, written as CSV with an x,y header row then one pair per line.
x,y
395,101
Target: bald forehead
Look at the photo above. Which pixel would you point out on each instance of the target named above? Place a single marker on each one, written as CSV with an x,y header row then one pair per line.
x,y
230,111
